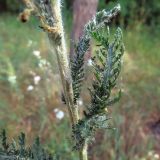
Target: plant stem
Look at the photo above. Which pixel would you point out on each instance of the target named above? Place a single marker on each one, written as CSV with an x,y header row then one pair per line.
x,y
83,154
51,21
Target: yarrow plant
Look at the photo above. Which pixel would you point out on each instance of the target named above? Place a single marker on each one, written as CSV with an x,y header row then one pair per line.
x,y
106,66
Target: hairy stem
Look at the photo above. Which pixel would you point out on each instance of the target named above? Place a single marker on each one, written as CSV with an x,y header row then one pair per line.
x,y
51,21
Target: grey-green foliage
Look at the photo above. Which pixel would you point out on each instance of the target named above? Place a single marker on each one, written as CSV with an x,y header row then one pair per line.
x,y
19,151
77,66
106,65
85,129
77,63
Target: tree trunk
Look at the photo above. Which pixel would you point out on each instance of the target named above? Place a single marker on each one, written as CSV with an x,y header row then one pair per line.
x,y
83,11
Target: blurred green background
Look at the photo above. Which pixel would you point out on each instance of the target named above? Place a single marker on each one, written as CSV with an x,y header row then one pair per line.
x,y
30,88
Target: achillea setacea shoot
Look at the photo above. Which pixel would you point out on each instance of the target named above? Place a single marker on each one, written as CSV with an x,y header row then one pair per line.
x,y
106,69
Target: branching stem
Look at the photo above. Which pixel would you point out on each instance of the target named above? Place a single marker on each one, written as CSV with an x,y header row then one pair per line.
x,y
51,21
49,12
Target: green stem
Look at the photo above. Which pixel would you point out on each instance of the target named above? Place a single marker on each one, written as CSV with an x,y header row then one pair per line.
x,y
83,154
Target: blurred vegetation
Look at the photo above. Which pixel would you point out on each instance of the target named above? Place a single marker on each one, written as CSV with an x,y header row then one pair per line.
x,y
133,12
136,117
137,12
10,5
